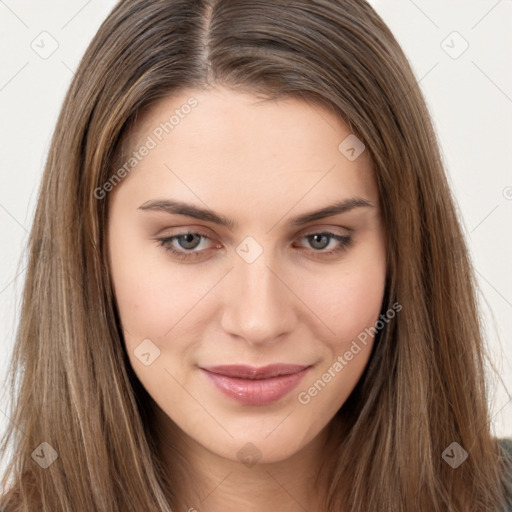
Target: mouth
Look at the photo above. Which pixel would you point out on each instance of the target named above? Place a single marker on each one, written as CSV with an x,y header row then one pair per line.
x,y
251,385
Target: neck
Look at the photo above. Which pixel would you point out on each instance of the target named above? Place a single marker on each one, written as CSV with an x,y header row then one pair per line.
x,y
203,481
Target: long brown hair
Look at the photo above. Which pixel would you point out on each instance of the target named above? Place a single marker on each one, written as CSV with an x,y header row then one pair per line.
x,y
423,387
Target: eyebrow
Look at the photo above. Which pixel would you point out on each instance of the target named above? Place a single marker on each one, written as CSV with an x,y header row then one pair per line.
x,y
189,210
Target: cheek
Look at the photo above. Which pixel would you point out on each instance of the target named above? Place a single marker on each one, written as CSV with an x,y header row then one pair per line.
x,y
350,306
151,295
348,300
361,299
153,304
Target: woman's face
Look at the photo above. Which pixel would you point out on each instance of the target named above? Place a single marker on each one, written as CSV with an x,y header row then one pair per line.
x,y
260,280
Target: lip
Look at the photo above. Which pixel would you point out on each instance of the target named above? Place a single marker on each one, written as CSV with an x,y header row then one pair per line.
x,y
251,385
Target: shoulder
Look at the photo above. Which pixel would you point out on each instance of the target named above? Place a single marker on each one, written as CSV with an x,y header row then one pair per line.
x,y
506,444
506,447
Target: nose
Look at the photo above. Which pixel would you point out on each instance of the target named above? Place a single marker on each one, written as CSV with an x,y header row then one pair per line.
x,y
258,305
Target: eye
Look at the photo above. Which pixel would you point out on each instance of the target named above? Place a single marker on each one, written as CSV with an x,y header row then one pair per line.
x,y
184,245
189,245
321,241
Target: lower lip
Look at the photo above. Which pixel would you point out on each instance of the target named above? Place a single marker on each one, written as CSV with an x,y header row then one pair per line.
x,y
258,391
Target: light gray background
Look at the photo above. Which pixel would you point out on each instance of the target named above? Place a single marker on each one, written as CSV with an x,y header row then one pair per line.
x,y
469,94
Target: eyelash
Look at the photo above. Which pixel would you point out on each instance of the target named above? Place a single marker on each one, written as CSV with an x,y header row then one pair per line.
x,y
345,243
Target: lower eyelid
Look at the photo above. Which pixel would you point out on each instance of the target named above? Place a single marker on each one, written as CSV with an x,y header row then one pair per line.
x,y
343,242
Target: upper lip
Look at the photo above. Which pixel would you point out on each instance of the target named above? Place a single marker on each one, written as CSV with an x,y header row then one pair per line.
x,y
253,372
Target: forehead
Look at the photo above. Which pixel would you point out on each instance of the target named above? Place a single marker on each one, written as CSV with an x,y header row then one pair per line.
x,y
226,146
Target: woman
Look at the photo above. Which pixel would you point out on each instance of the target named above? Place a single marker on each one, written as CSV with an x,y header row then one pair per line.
x,y
248,286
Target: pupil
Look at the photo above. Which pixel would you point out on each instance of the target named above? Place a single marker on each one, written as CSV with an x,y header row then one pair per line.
x,y
189,240
316,239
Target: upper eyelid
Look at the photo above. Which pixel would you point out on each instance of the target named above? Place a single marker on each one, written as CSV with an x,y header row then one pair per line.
x,y
304,234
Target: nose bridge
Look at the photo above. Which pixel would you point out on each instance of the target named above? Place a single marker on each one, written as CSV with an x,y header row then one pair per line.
x,y
258,306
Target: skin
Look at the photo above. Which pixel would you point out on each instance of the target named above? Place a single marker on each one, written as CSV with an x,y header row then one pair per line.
x,y
260,163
